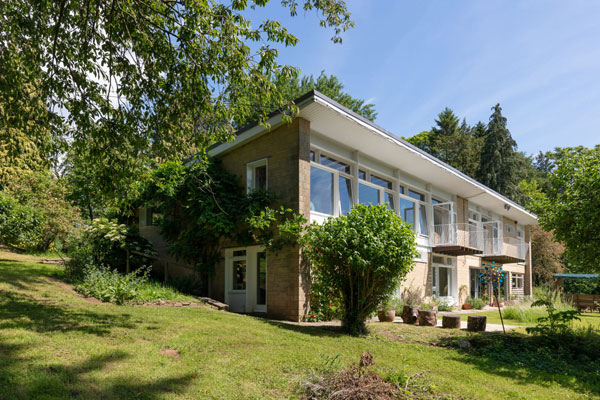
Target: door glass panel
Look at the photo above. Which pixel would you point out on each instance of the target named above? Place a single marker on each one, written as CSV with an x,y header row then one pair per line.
x,y
239,275
345,185
475,283
321,191
261,281
407,211
368,194
444,281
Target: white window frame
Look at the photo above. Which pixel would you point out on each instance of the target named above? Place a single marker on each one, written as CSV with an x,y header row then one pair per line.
x,y
517,278
251,174
355,166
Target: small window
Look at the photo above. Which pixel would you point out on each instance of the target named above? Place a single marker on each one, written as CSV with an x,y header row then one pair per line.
x,y
517,281
388,198
438,259
401,189
239,253
312,156
257,175
407,211
337,165
362,175
381,182
510,229
436,201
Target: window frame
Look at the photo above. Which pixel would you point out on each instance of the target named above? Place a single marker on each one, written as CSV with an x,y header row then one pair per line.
x,y
336,209
251,174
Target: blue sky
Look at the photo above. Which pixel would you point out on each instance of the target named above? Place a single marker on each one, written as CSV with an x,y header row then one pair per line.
x,y
539,59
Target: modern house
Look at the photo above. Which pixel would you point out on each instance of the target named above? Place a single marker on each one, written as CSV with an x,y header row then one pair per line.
x,y
329,159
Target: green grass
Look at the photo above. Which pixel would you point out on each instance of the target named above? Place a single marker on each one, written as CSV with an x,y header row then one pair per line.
x,y
56,345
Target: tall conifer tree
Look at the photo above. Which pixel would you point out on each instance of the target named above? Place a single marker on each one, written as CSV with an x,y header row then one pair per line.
x,y
499,165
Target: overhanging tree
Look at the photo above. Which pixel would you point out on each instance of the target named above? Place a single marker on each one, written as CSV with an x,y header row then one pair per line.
x,y
148,80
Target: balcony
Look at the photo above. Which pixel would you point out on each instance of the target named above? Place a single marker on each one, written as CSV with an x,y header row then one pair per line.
x,y
457,239
507,251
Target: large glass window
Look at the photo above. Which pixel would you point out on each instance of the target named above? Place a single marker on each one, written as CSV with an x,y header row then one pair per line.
x,y
368,194
239,275
345,188
261,281
407,211
321,190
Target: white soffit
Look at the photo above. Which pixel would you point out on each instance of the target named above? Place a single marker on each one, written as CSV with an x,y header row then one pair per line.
x,y
337,124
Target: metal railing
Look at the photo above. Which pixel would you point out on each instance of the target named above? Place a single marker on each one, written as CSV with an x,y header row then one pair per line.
x,y
490,241
462,234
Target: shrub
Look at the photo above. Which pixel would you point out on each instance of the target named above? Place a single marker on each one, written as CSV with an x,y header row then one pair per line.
x,y
106,242
109,285
475,303
524,312
362,258
442,305
412,296
20,224
392,303
43,216
555,322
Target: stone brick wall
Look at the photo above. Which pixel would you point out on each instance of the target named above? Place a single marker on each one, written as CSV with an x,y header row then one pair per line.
x,y
287,150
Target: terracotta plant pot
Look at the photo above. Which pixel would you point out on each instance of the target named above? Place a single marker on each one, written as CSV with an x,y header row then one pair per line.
x,y
467,306
386,315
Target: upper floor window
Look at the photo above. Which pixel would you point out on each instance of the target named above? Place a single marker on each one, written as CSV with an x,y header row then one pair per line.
x,y
330,185
510,229
257,175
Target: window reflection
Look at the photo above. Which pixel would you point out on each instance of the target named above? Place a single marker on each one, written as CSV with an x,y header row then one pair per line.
x,y
407,211
368,194
345,195
321,191
389,200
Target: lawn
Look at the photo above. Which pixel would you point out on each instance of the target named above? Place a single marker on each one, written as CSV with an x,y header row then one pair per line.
x,y
55,345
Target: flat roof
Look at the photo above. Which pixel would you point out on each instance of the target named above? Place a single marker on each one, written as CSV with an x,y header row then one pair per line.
x,y
577,276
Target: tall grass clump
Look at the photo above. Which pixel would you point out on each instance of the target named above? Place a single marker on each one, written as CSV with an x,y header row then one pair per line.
x,y
523,312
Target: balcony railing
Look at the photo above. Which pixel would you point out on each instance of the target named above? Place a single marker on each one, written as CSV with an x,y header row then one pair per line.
x,y
463,235
466,238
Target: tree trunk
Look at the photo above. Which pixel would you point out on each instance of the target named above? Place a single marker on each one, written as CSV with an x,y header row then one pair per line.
x,y
451,321
410,314
428,317
476,323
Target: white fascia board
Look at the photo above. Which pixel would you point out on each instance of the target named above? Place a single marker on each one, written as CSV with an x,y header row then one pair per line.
x,y
485,190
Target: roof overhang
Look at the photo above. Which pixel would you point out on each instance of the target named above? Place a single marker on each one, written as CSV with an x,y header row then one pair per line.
x,y
341,125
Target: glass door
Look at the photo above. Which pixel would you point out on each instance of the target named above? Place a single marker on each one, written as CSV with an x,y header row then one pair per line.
x,y
261,282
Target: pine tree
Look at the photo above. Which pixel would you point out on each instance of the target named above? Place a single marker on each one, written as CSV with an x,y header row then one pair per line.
x,y
499,165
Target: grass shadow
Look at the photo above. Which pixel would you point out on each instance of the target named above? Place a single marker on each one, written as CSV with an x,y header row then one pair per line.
x,y
318,331
20,311
571,360
28,378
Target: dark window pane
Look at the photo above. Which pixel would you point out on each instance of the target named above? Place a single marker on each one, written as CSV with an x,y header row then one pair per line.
x,y
260,177
337,165
239,275
239,253
381,182
416,195
407,211
362,175
368,194
345,195
321,191
435,201
401,189
312,156
261,281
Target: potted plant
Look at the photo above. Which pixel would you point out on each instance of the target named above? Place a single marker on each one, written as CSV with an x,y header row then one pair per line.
x,y
387,309
471,303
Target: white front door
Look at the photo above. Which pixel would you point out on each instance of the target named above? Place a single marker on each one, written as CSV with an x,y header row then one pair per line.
x,y
246,279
